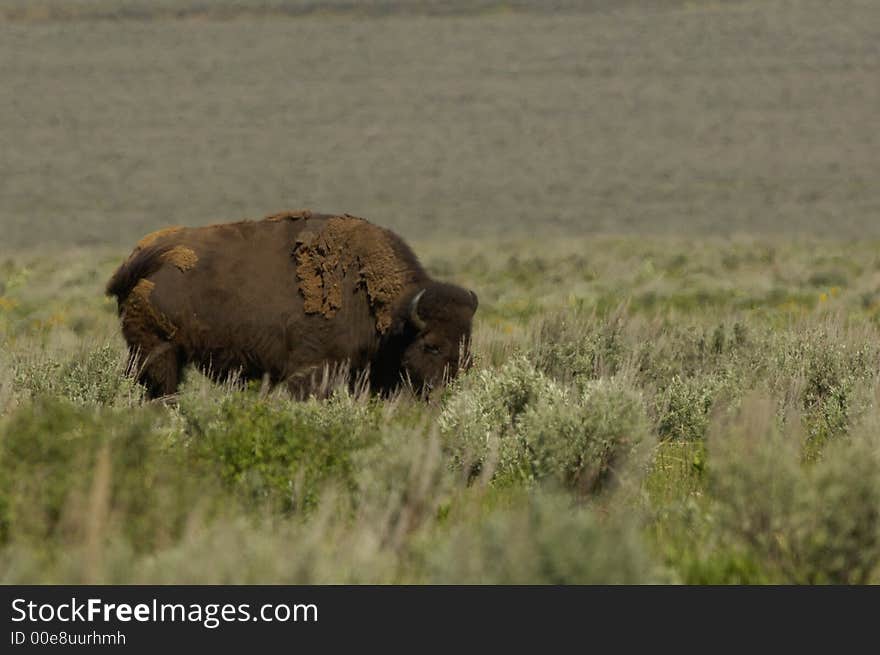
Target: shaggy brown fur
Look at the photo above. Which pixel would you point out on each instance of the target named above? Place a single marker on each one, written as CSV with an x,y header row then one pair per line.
x,y
347,243
292,215
182,257
138,305
151,238
285,297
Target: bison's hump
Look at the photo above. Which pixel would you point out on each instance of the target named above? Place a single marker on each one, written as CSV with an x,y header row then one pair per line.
x,y
348,243
289,215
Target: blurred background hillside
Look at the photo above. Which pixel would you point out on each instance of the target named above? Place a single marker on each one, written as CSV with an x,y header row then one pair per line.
x,y
440,118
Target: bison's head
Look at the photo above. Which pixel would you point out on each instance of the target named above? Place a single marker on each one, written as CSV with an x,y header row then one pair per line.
x,y
440,317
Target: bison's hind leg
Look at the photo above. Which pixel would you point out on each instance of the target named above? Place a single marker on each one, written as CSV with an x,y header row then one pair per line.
x,y
156,367
153,359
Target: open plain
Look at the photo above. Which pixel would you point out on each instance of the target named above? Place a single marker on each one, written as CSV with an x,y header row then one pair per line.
x,y
670,213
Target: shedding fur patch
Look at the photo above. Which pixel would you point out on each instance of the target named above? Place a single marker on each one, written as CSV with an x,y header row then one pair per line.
x,y
289,215
182,257
346,243
151,238
138,308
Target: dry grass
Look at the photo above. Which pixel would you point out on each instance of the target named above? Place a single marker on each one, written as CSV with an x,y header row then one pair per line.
x,y
579,439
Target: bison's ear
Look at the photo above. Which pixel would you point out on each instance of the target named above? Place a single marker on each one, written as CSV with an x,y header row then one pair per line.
x,y
414,317
475,302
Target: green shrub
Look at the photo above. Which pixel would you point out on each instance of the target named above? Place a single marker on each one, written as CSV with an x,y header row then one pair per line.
x,y
571,346
542,540
687,537
684,407
92,376
832,375
481,416
276,450
582,443
809,524
527,428
7,382
328,549
402,482
64,467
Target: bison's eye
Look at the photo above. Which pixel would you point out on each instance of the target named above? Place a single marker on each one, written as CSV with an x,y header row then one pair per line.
x,y
432,349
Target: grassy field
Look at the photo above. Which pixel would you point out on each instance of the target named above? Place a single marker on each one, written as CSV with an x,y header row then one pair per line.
x,y
664,410
668,210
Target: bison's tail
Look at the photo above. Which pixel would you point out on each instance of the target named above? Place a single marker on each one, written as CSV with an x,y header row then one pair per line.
x,y
141,264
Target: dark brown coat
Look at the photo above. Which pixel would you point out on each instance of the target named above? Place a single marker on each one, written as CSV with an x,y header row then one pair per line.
x,y
284,298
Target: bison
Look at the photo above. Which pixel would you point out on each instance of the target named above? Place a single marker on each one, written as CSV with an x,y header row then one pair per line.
x,y
286,297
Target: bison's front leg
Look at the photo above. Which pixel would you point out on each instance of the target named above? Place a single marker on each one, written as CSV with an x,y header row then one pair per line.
x,y
306,381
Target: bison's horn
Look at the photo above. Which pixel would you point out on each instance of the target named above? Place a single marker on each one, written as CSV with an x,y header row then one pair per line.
x,y
474,298
414,311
